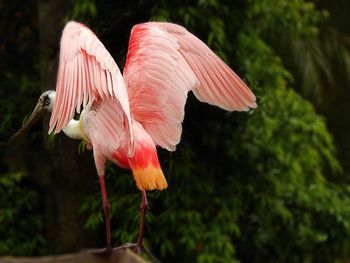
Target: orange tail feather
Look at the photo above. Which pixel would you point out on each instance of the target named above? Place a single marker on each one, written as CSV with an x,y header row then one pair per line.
x,y
146,168
150,178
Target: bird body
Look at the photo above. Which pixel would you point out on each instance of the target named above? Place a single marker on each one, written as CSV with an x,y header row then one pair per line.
x,y
143,162
123,118
126,116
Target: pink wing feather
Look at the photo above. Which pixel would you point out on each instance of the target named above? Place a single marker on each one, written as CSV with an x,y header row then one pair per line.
x,y
163,64
104,125
87,73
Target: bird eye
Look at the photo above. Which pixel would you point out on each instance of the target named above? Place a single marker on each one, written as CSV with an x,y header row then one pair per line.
x,y
47,101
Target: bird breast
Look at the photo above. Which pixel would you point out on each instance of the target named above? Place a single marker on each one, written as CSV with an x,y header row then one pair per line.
x,y
74,130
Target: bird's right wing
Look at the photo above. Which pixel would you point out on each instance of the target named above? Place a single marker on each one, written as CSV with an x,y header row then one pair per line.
x,y
163,64
87,73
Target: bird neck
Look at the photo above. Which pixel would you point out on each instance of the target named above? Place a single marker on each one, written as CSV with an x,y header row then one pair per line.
x,y
74,130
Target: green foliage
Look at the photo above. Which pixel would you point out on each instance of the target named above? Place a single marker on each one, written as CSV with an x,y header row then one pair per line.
x,y
244,187
17,50
83,9
316,53
296,17
19,218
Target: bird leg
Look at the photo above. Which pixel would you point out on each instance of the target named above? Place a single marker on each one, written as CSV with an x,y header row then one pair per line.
x,y
138,246
106,209
143,209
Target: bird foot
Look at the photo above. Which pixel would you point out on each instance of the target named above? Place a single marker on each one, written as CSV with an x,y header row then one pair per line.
x,y
137,248
133,246
110,250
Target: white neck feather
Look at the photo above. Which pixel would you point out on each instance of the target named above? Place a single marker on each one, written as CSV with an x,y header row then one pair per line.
x,y
73,130
52,96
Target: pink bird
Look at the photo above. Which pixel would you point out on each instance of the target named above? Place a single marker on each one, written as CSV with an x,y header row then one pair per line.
x,y
125,117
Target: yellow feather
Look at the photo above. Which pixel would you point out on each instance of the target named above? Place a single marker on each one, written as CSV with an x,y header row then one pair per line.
x,y
149,178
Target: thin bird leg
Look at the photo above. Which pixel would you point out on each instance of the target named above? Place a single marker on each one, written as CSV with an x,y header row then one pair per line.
x,y
106,209
138,246
143,209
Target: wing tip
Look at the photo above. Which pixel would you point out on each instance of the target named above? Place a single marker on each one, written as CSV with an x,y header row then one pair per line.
x,y
51,129
253,104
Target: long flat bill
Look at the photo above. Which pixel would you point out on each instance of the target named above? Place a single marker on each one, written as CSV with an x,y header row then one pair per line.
x,y
34,117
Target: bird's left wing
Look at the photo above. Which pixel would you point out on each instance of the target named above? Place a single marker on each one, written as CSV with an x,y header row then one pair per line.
x,y
87,73
163,64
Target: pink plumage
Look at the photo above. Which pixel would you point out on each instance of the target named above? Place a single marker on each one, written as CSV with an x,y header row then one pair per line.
x,y
125,117
164,62
87,73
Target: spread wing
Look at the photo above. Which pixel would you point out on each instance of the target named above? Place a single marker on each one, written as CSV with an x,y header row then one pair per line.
x,y
87,73
163,64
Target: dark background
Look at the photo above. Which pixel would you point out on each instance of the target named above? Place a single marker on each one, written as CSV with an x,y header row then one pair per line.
x,y
270,185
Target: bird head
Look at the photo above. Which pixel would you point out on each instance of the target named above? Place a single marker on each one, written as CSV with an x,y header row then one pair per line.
x,y
45,102
48,99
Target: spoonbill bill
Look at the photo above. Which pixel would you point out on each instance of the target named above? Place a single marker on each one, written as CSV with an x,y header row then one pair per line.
x,y
123,118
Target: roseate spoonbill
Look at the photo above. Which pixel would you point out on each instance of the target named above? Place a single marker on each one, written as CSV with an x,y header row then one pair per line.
x,y
124,117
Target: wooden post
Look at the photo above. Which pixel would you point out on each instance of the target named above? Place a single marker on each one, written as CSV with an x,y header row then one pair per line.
x,y
84,256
